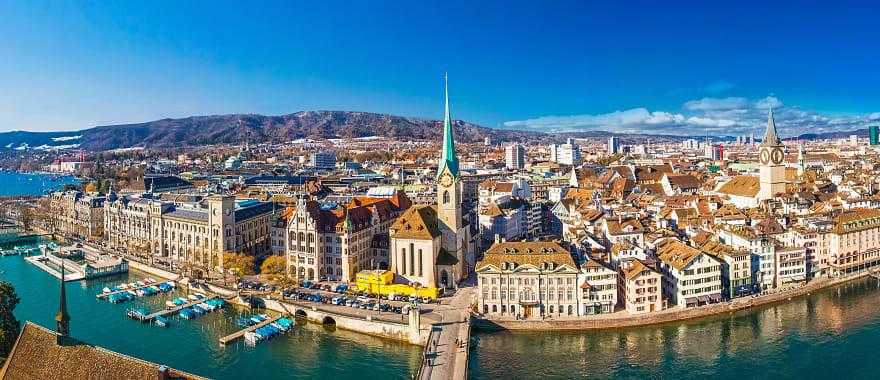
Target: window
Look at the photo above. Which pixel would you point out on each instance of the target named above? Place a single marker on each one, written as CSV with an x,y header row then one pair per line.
x,y
445,197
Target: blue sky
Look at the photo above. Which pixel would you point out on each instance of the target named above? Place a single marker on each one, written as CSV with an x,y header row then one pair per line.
x,y
670,67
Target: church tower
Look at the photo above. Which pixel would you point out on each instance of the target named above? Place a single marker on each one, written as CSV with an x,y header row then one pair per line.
x,y
62,319
448,177
771,155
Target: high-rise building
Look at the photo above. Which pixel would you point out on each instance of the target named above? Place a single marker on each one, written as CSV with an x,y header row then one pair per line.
x,y
323,160
854,139
515,157
613,145
567,154
487,141
874,134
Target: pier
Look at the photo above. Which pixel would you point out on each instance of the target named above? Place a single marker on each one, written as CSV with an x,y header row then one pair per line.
x,y
162,313
105,295
231,337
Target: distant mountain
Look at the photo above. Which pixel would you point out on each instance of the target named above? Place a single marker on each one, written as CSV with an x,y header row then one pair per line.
x,y
251,128
833,135
240,128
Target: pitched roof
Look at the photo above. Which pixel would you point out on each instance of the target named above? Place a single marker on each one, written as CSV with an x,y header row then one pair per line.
x,y
677,254
418,222
635,269
526,252
37,355
742,185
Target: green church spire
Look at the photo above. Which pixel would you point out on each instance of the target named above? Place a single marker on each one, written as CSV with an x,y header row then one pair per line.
x,y
448,159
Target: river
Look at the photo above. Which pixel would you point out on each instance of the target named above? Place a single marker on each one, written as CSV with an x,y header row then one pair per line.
x,y
308,351
830,333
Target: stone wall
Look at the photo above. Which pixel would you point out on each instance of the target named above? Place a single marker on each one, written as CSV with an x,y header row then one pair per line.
x,y
384,329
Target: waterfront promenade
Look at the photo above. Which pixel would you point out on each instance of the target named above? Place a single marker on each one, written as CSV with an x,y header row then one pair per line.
x,y
675,314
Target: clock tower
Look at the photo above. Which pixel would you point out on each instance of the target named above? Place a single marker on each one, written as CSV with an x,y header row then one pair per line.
x,y
771,155
448,177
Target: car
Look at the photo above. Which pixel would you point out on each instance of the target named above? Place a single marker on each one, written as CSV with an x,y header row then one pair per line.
x,y
326,287
384,307
397,309
363,299
376,307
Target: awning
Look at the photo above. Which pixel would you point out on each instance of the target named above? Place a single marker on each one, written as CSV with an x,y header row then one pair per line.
x,y
691,301
703,299
528,303
715,297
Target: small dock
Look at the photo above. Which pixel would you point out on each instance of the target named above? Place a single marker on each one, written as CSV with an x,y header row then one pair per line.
x,y
162,313
231,337
105,295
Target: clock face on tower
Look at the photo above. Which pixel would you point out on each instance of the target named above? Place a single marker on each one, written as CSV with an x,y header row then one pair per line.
x,y
777,156
446,179
765,156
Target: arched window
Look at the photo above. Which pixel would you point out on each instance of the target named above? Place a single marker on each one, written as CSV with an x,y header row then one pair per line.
x,y
445,196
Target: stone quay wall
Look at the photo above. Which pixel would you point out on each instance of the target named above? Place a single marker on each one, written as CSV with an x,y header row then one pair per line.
x,y
621,320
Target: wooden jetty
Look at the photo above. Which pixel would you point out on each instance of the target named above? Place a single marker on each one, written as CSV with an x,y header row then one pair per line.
x,y
231,337
164,312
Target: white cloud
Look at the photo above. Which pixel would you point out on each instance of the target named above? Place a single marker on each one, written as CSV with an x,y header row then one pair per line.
x,y
768,102
715,104
635,116
729,116
709,122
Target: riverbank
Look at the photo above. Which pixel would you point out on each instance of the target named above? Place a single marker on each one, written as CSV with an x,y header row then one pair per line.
x,y
622,320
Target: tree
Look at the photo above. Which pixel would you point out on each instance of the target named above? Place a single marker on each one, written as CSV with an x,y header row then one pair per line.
x,y
241,265
9,326
273,265
25,216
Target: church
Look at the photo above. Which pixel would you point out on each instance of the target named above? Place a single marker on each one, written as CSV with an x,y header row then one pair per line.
x,y
747,191
431,244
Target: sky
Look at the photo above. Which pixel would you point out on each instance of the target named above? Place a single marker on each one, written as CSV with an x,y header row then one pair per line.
x,y
655,66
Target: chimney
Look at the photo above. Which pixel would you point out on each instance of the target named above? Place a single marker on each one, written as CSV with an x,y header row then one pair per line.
x,y
162,373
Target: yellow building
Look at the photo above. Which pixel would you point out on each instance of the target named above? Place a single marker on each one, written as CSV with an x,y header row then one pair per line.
x,y
382,282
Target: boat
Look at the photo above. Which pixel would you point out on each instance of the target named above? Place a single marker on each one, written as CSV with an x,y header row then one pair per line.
x,y
186,314
161,321
170,304
106,290
139,313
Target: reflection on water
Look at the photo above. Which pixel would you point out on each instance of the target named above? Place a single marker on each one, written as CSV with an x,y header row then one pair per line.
x,y
308,351
828,333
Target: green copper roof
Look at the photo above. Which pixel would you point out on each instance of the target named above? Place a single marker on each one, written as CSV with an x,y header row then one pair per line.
x,y
448,159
